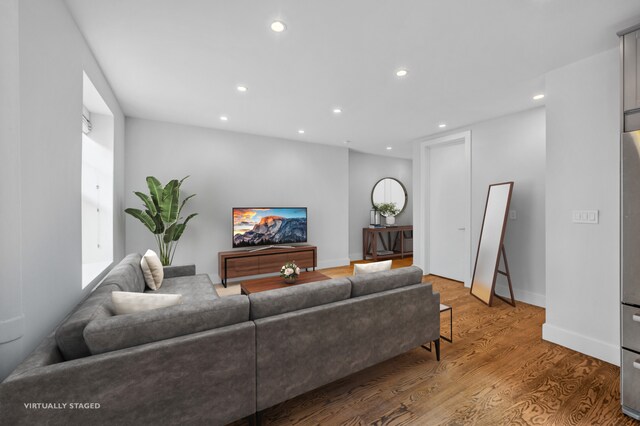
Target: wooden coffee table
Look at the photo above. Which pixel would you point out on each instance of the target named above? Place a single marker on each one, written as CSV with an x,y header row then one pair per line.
x,y
272,283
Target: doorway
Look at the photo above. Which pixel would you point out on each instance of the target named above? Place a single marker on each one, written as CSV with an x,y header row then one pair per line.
x,y
446,182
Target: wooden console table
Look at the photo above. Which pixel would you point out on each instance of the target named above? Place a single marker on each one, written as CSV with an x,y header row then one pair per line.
x,y
393,246
243,263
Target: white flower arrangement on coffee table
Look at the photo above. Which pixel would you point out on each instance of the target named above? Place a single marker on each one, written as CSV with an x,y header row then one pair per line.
x,y
290,272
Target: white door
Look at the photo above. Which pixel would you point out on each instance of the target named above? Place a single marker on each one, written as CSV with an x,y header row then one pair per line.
x,y
447,210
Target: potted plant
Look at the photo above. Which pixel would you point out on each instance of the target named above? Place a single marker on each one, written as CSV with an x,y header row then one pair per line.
x,y
290,272
162,215
389,211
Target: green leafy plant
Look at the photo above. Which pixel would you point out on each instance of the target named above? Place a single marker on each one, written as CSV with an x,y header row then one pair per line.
x,y
162,215
387,209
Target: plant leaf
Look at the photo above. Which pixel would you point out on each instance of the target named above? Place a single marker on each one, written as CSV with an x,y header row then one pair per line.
x,y
170,233
181,226
155,189
158,221
184,202
182,180
179,230
151,207
169,202
143,217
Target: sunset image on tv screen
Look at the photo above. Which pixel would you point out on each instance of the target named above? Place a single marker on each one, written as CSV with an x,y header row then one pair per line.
x,y
260,226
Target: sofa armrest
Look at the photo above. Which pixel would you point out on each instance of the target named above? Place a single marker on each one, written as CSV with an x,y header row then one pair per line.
x,y
203,378
179,271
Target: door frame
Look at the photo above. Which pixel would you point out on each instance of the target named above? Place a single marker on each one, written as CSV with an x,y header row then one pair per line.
x,y
424,217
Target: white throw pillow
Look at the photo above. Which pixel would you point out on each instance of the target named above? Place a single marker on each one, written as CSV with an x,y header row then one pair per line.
x,y
125,302
367,268
152,270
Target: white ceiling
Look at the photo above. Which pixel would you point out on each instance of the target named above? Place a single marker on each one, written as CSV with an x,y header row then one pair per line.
x,y
468,60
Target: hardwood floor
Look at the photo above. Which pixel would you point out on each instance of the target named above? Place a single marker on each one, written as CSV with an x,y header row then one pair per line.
x,y
497,371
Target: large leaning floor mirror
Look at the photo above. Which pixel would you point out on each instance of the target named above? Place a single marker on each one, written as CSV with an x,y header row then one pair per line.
x,y
491,245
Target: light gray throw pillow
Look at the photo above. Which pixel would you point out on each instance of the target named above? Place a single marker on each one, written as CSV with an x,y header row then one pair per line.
x,y
125,302
367,268
152,269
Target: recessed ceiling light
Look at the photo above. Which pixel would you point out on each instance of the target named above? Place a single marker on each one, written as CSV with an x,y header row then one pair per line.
x,y
538,97
223,118
301,131
337,110
442,125
278,26
402,73
389,148
242,88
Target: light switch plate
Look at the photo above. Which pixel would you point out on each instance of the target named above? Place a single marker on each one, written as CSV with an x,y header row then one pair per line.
x,y
586,216
513,215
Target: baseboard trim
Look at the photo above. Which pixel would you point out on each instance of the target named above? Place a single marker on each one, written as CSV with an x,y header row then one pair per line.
x,y
581,343
525,296
354,257
11,329
333,263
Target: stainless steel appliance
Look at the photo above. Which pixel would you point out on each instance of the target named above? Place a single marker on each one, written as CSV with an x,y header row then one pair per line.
x,y
630,292
630,232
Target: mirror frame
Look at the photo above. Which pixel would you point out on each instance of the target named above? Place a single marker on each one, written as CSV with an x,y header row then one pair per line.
x,y
406,196
500,251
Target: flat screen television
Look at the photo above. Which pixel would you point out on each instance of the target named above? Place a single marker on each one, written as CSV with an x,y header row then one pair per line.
x,y
253,226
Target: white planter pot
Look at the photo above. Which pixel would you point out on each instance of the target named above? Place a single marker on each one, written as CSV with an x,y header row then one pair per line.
x,y
390,220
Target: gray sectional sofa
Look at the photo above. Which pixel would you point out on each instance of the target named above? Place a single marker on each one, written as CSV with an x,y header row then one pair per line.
x,y
214,360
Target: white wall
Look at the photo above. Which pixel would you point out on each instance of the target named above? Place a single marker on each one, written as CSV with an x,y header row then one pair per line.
x,y
229,170
583,107
364,171
52,55
512,148
11,311
509,148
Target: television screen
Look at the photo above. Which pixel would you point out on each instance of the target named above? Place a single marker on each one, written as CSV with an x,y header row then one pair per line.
x,y
266,226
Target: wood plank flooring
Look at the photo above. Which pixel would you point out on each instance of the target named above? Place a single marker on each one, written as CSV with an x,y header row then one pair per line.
x,y
497,371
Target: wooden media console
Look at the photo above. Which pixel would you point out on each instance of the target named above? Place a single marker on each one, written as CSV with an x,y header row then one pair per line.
x,y
243,263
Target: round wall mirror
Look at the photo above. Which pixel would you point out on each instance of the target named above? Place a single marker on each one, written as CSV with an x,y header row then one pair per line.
x,y
389,190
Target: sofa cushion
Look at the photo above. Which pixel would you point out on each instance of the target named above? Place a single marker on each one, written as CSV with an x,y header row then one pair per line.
x,y
127,274
152,270
193,288
69,335
125,302
302,296
367,268
376,282
107,332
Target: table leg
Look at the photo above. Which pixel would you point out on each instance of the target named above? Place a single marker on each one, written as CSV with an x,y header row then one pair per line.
x,y
450,338
365,234
374,247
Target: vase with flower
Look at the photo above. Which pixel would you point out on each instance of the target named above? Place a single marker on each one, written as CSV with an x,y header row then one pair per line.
x,y
290,272
389,211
